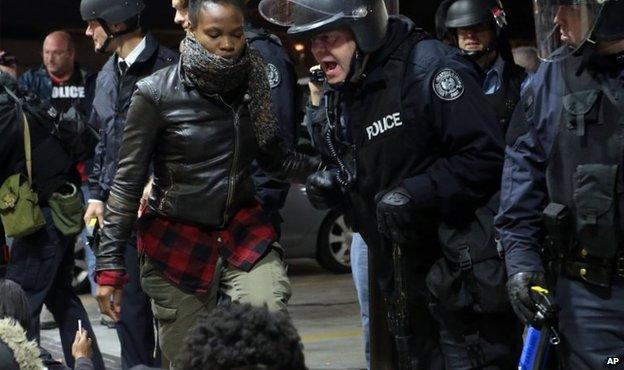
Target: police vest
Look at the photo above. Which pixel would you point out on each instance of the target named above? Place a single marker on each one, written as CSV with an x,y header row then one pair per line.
x,y
584,170
385,133
504,100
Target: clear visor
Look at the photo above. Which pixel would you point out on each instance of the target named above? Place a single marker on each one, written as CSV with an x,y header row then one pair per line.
x,y
562,26
297,13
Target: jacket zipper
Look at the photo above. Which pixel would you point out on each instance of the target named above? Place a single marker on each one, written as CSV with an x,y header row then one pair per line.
x,y
232,179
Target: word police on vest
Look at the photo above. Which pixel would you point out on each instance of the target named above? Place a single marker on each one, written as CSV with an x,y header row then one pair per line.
x,y
68,92
613,361
387,123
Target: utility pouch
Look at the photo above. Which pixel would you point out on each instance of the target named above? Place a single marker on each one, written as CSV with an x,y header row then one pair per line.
x,y
67,209
580,110
556,218
472,275
19,204
19,208
595,201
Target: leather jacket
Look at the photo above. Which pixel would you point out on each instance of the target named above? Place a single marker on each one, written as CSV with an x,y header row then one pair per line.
x,y
201,148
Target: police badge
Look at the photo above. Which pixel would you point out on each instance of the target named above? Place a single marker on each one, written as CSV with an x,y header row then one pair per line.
x,y
448,85
273,75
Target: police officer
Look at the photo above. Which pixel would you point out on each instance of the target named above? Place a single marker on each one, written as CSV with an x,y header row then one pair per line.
x,y
283,83
565,169
115,28
407,134
477,28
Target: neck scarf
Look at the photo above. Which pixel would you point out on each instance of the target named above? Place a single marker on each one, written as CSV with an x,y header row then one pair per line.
x,y
212,74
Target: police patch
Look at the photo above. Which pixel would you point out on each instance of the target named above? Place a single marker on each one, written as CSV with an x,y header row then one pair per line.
x,y
273,75
448,85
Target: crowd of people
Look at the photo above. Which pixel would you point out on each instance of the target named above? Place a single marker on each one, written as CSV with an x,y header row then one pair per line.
x,y
483,185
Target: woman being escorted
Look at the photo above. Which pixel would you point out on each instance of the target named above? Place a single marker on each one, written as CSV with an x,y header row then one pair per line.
x,y
200,123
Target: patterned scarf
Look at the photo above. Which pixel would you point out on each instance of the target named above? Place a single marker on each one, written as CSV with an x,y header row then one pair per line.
x,y
212,74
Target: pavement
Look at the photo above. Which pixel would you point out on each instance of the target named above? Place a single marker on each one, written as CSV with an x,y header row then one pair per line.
x,y
323,306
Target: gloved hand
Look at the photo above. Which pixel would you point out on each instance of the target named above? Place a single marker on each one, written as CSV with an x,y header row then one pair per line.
x,y
395,214
519,289
323,189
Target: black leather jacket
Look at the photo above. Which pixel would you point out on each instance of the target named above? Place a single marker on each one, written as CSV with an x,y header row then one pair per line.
x,y
201,148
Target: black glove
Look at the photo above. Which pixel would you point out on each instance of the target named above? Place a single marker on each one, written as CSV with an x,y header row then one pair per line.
x,y
519,289
323,190
395,214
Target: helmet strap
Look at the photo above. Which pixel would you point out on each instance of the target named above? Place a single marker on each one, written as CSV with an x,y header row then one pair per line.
x,y
111,35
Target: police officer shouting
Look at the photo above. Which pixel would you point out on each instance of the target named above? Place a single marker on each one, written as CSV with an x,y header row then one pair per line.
x,y
565,169
477,28
406,132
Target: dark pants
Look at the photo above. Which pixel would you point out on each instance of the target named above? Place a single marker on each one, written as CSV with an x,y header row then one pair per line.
x,y
591,323
43,263
135,329
480,341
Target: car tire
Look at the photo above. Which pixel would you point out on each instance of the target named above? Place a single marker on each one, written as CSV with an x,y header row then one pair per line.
x,y
80,282
334,244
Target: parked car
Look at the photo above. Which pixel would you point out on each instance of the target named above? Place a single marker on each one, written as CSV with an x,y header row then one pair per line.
x,y
307,232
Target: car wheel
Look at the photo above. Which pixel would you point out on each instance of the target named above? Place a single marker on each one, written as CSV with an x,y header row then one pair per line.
x,y
334,244
80,282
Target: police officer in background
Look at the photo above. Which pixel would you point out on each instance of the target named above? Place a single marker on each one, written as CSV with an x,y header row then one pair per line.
x,y
477,28
563,179
283,83
115,28
409,139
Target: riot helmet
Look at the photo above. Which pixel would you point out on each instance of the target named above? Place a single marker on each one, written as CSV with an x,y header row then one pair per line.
x,y
109,12
366,19
470,13
565,27
442,32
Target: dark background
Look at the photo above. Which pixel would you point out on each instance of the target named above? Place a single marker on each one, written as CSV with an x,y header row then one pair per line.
x,y
24,24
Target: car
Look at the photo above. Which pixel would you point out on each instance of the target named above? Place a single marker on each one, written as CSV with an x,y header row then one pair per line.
x,y
306,233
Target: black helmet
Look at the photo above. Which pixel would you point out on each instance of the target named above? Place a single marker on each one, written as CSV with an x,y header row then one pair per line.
x,y
468,13
110,11
442,32
367,19
610,26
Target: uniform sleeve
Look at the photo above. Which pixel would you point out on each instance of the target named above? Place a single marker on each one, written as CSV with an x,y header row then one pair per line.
x,y
95,188
523,193
135,155
467,171
313,119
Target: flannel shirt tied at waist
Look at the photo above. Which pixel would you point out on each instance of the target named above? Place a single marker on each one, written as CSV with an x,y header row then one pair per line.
x,y
187,254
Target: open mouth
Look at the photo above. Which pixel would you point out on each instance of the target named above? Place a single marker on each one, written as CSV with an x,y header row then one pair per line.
x,y
329,66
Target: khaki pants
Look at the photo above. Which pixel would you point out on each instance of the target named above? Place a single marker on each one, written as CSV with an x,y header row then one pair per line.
x,y
266,284
177,310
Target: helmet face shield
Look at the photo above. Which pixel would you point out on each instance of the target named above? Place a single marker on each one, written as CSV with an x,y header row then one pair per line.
x,y
306,14
562,26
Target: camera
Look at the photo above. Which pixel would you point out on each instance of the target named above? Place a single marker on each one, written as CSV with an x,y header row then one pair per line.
x,y
317,76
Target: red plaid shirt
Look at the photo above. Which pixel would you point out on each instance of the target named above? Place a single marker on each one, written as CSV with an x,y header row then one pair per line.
x,y
187,254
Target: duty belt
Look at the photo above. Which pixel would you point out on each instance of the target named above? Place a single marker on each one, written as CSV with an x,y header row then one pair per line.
x,y
600,274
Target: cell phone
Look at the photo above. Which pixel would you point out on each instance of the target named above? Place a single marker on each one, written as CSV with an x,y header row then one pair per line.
x,y
317,76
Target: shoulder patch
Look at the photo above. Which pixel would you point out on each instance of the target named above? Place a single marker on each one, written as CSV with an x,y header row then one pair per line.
x,y
273,74
448,85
